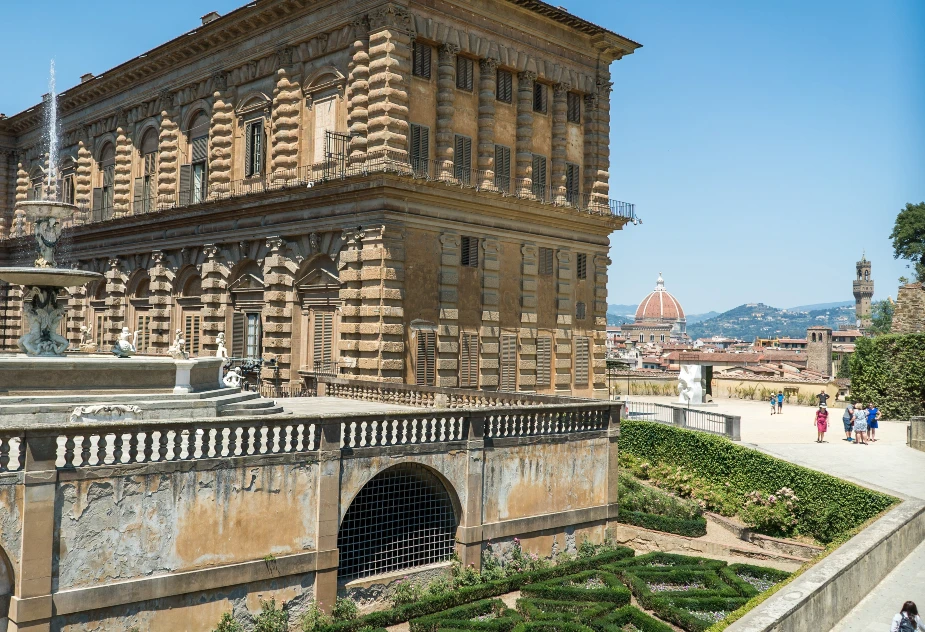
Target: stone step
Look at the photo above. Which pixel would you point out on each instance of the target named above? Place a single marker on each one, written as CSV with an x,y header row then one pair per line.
x,y
252,412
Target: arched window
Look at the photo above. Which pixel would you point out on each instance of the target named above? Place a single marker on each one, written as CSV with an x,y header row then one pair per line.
x,y
103,192
253,112
318,290
401,519
36,184
66,185
146,185
867,275
189,316
323,96
194,176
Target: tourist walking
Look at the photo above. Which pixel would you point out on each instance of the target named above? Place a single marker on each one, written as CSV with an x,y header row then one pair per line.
x,y
773,403
907,620
860,424
848,421
822,422
823,398
780,401
873,417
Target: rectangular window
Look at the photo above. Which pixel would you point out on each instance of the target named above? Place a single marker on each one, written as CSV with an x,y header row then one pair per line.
x,y
539,97
504,91
199,156
192,332
662,337
253,336
543,360
253,149
571,183
508,363
573,111
421,64
539,177
462,159
582,360
100,330
323,341
469,361
420,150
67,190
546,261
464,73
143,327
642,337
580,311
109,177
425,362
503,168
581,266
469,252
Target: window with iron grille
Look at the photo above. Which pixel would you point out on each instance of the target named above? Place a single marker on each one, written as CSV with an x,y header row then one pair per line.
x,y
582,360
573,110
539,177
508,362
253,149
539,97
421,63
581,265
420,149
464,73
469,361
546,261
504,91
503,168
462,159
543,360
580,311
402,518
571,183
469,252
426,358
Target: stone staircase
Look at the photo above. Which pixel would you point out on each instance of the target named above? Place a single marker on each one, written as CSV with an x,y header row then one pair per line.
x,y
246,404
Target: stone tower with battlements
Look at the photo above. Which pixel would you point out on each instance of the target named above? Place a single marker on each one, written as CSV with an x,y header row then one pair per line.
x,y
863,288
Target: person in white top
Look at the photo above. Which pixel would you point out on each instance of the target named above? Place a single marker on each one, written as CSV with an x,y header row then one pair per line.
x,y
908,619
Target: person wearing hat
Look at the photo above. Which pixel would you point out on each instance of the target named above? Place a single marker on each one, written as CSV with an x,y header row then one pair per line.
x,y
822,422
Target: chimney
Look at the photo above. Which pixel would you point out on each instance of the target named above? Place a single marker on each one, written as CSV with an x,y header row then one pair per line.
x,y
87,77
210,17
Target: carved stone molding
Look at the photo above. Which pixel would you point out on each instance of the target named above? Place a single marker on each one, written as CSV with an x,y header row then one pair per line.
x,y
447,52
361,27
561,88
285,56
391,16
220,81
526,75
488,65
275,244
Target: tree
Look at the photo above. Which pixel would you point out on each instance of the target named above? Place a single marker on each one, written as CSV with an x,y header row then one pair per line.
x,y
881,318
909,237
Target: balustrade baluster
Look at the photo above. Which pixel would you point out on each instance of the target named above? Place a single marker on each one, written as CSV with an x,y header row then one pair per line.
x,y
163,442
5,454
68,452
85,451
118,441
311,439
363,427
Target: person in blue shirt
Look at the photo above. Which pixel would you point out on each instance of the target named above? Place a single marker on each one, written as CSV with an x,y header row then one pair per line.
x,y
773,403
780,401
873,414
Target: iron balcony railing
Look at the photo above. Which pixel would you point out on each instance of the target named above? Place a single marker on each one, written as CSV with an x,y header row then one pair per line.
x,y
340,167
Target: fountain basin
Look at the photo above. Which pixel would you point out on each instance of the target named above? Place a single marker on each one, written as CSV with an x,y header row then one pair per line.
x,y
40,209
48,277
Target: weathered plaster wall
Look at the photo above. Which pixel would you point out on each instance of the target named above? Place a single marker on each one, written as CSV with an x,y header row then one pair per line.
x,y
10,518
521,481
118,529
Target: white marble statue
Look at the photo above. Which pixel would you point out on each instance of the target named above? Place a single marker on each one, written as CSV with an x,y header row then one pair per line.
x,y
690,389
178,350
222,351
42,314
233,378
125,348
86,344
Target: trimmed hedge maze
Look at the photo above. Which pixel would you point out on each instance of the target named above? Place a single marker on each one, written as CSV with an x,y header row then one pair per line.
x,y
690,592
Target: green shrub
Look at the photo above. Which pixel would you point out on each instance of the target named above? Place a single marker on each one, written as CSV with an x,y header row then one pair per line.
x,y
405,591
465,617
827,507
692,528
890,371
271,618
345,610
775,513
607,587
314,618
228,624
635,496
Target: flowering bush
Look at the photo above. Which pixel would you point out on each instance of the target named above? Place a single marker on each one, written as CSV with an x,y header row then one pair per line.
x,y
405,591
314,618
775,513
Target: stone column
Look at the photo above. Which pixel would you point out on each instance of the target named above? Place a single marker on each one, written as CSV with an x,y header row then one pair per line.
x,y
486,147
168,145
77,305
358,92
448,327
6,210
161,301
589,168
469,533
278,276
350,266
115,302
215,302
328,516
564,309
559,139
528,322
446,95
601,187
122,177
284,118
83,178
490,332
524,132
221,133
391,27
381,345
22,194
599,338
613,468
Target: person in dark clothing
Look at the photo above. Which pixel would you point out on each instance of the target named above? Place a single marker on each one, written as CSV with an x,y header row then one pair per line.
x,y
823,398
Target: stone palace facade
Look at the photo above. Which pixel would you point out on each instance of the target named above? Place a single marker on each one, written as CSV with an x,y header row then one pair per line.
x,y
406,191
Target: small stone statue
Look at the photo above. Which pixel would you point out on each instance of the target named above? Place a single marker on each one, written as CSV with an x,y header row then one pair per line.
x,y
47,233
233,378
222,351
86,343
178,350
125,348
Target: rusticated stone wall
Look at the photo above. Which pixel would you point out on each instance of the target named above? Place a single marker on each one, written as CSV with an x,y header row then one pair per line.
x,y
221,135
161,301
278,275
526,380
122,185
909,312
559,107
562,354
168,148
357,92
389,74
598,331
284,119
486,149
215,273
446,94
115,302
524,149
83,186
6,208
448,324
22,194
490,332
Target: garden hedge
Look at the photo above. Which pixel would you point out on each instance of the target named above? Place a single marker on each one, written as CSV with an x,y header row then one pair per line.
x,y
461,617
889,371
694,527
827,507
563,589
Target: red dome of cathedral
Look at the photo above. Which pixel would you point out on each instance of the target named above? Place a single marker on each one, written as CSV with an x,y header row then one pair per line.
x,y
659,306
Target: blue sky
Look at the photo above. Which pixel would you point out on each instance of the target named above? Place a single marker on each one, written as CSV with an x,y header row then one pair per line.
x,y
765,144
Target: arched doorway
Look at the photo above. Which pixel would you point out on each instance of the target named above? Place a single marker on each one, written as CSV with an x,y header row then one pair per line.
x,y
403,518
318,291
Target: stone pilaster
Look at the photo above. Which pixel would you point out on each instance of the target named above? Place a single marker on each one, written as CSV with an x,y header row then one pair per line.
x,y
391,27
122,177
490,333
6,209
215,275
78,303
115,302
168,144
10,316
524,130
278,274
358,92
559,138
83,182
161,301
600,189
351,266
486,147
589,168
528,322
382,332
599,338
221,133
284,118
564,302
448,327
446,95
22,194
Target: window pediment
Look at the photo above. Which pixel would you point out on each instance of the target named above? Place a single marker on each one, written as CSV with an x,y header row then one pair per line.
x,y
254,105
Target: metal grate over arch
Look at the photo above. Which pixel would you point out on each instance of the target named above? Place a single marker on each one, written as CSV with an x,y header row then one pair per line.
x,y
402,518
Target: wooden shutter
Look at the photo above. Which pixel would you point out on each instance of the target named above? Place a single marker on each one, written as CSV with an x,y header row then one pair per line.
x,y
97,203
582,265
424,367
504,91
539,98
469,361
580,310
582,358
422,60
571,182
463,159
143,327
539,176
420,149
323,340
464,73
100,327
192,327
508,362
138,195
543,360
238,331
573,111
469,252
186,185
546,261
200,151
503,168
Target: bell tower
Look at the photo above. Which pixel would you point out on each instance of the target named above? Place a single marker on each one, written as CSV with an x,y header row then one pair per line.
x,y
863,287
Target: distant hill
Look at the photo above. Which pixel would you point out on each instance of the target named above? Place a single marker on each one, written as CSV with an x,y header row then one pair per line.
x,y
754,320
619,314
699,318
817,306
